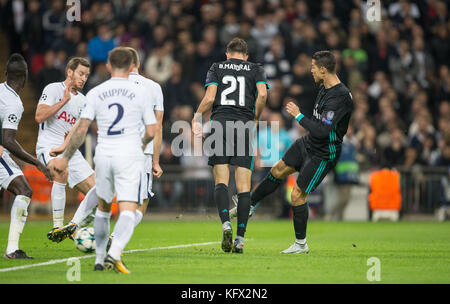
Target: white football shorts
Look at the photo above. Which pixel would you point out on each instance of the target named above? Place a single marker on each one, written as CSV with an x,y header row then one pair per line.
x,y
9,170
121,176
148,165
79,168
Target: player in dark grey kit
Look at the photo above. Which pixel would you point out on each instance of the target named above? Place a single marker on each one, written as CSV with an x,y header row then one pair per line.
x,y
236,91
314,155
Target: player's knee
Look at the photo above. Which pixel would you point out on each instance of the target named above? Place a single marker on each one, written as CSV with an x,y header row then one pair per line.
x,y
298,197
277,171
242,187
60,177
25,190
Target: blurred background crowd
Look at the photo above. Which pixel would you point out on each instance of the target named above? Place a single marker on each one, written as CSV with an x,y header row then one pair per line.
x,y
397,69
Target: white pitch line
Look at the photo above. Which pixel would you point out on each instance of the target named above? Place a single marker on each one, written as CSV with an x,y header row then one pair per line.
x,y
51,262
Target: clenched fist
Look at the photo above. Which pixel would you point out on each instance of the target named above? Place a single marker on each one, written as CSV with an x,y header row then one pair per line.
x,y
292,109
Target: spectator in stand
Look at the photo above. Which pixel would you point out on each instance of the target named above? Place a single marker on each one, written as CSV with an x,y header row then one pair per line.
x,y
403,67
176,90
99,75
230,28
54,21
159,64
422,138
355,51
394,154
49,73
276,64
100,45
33,31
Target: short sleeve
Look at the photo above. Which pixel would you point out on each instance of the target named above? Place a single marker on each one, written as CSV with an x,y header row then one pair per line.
x,y
12,116
88,111
261,76
159,99
149,116
211,76
48,96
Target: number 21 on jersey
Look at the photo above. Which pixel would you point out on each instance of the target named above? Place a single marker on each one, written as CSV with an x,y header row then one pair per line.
x,y
234,82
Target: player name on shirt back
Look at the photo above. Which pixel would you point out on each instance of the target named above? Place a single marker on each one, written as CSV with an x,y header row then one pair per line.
x,y
232,66
116,92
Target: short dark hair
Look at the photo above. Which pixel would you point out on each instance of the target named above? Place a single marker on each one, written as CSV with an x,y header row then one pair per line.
x,y
135,55
76,61
120,58
325,59
237,45
16,67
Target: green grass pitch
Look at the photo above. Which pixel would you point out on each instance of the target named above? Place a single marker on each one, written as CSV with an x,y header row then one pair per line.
x,y
409,252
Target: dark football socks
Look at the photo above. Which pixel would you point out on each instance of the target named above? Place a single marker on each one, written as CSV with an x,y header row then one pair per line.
x,y
243,208
222,201
301,214
266,187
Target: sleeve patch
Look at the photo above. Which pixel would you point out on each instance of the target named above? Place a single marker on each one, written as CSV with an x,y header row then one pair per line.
x,y
330,115
12,118
328,122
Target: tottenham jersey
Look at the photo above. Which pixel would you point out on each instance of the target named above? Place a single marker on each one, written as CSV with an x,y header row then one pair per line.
x,y
11,108
155,100
120,107
52,131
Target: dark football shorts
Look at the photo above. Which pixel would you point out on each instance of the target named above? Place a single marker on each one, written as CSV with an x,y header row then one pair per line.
x,y
237,146
312,169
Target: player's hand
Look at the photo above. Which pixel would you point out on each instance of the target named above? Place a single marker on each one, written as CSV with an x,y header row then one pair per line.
x,y
157,171
67,91
197,129
1,151
59,165
41,167
292,109
56,151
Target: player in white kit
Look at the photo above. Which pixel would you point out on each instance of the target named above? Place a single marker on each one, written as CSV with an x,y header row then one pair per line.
x,y
11,177
120,107
153,149
57,113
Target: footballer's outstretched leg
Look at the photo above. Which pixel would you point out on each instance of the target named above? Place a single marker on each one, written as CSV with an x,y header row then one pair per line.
x,y
300,219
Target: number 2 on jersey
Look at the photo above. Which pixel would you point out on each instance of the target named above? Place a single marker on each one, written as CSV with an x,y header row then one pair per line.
x,y
118,118
233,81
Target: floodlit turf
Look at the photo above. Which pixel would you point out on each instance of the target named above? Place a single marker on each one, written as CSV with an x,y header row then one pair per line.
x,y
409,252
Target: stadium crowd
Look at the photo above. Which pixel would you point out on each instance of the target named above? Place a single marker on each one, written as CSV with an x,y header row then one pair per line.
x,y
397,69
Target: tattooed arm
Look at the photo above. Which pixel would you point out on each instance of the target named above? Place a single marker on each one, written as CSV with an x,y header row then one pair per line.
x,y
60,164
77,137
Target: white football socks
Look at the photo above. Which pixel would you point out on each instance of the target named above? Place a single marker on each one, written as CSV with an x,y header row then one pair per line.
x,y
89,202
101,233
58,197
122,233
138,219
19,213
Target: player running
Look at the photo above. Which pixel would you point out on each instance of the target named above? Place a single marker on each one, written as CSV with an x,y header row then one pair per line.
x,y
231,89
57,113
314,155
120,107
153,149
11,177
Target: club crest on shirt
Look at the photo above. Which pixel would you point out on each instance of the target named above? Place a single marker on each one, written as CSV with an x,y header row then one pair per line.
x,y
330,115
